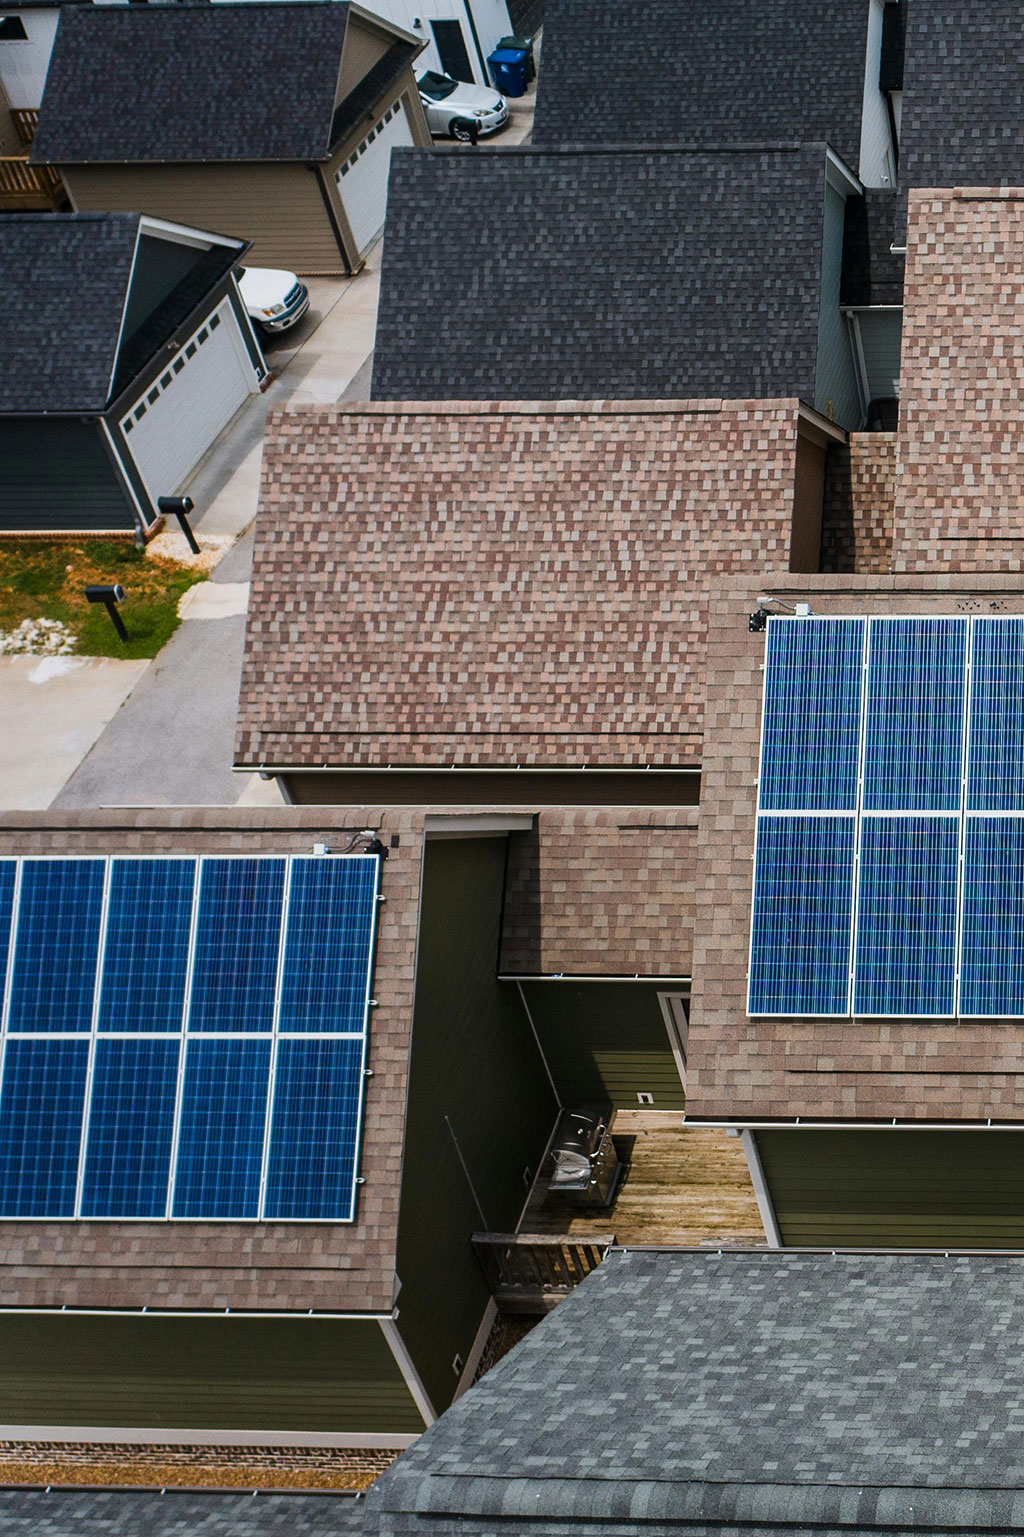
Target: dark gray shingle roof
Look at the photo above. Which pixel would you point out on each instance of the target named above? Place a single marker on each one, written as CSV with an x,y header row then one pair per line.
x,y
600,274
963,99
148,1513
63,281
191,82
710,72
841,1392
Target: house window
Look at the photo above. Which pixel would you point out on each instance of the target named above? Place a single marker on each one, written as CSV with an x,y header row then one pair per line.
x,y
12,30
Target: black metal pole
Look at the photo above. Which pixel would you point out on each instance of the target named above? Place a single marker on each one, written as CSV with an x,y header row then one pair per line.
x,y
186,529
115,618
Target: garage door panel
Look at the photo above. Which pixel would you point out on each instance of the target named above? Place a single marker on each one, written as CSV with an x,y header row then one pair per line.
x,y
173,424
363,179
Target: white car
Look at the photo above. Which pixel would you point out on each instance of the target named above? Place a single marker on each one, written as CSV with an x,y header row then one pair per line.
x,y
453,108
274,299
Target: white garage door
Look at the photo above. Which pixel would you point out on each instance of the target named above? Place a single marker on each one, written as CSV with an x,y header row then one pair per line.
x,y
182,412
363,179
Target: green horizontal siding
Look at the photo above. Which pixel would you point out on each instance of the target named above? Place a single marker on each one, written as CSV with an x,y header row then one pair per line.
x,y
606,1040
896,1189
475,1076
231,1373
58,475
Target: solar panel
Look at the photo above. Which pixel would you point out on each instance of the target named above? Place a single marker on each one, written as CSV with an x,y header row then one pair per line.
x,y
56,945
325,982
151,1004
913,730
131,1123
146,953
937,813
803,899
906,916
995,753
992,947
223,1119
317,1095
41,1125
812,702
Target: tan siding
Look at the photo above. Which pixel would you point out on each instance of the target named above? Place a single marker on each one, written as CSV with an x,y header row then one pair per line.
x,y
364,45
278,207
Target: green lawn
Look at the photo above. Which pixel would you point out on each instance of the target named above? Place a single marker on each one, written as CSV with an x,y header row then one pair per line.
x,y
44,580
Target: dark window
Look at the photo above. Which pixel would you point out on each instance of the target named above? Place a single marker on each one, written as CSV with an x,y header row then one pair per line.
x,y
165,381
179,364
214,322
12,30
190,350
153,397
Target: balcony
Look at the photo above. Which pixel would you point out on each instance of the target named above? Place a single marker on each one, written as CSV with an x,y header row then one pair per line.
x,y
28,188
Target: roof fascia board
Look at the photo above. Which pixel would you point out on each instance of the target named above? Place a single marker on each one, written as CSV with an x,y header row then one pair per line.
x,y
384,25
811,424
124,311
839,175
186,234
440,825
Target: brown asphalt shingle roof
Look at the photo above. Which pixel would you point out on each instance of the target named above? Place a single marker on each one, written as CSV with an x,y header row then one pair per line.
x,y
742,1068
260,1265
593,891
961,416
496,584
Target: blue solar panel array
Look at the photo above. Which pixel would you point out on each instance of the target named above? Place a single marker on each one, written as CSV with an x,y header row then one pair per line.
x,y
184,1037
889,862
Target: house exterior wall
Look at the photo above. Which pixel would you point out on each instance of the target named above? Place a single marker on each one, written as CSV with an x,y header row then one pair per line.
x,y
490,18
882,1188
279,207
480,1109
405,89
125,464
23,65
10,141
180,1372
836,395
606,1040
58,477
364,45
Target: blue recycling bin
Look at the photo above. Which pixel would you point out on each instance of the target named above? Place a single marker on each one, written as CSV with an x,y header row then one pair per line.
x,y
508,70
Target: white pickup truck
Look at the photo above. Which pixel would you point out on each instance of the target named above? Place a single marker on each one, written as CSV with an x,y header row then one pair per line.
x,y
274,299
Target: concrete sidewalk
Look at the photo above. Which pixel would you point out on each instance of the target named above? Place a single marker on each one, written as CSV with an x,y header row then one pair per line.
x,y
54,708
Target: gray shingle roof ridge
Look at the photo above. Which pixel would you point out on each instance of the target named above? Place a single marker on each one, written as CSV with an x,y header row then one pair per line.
x,y
492,152
610,1495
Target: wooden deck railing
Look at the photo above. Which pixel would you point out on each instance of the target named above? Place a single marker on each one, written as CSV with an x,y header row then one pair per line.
x,y
531,1272
25,120
27,185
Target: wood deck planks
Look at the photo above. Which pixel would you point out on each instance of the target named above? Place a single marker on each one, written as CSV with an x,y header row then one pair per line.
x,y
685,1187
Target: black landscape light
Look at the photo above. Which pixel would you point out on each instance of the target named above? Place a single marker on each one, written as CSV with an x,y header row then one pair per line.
x,y
110,597
179,507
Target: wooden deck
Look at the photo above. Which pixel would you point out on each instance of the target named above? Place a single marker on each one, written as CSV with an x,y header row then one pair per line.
x,y
684,1188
